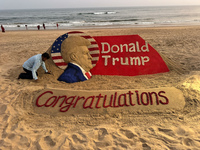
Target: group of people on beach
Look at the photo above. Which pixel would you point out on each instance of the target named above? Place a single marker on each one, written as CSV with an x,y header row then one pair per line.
x,y
38,27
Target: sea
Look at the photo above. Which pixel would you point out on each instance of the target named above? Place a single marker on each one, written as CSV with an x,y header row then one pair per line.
x,y
70,18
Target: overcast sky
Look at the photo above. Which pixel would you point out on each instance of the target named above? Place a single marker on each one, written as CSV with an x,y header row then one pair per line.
x,y
29,4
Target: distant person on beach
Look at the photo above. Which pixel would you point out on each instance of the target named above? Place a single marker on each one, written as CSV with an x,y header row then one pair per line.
x,y
76,54
57,25
44,26
2,28
26,27
38,27
32,65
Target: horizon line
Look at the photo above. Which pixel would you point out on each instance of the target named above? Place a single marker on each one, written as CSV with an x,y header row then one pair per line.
x,y
98,7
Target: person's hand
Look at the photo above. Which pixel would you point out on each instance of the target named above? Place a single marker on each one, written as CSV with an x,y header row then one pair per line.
x,y
49,72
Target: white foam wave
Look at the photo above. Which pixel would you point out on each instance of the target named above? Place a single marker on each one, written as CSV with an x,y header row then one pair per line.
x,y
105,12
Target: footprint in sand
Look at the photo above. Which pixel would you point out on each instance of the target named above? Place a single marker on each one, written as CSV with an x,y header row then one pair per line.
x,y
46,142
146,146
49,141
180,131
81,138
128,133
102,133
3,109
188,142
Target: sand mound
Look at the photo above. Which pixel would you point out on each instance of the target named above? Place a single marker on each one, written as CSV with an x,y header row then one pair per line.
x,y
22,128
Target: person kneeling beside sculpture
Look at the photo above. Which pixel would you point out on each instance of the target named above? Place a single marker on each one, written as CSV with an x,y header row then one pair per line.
x,y
75,53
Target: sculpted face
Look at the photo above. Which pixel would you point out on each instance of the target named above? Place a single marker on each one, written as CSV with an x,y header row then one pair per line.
x,y
74,49
82,57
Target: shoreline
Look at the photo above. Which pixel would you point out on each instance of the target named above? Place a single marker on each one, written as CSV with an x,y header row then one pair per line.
x,y
104,27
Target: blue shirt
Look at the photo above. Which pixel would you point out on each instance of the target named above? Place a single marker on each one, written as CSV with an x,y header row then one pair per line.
x,y
34,63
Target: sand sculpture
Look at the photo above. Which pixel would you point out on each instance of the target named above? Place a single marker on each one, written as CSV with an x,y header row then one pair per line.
x,y
72,48
76,54
71,54
26,126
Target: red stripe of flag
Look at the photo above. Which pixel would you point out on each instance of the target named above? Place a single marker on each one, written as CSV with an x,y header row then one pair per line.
x,y
88,75
94,48
94,62
57,57
61,64
93,42
94,55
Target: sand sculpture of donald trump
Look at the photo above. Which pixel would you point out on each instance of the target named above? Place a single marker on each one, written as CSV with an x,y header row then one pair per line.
x,y
76,54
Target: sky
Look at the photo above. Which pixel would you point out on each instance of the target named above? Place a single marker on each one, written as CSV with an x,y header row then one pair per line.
x,y
37,4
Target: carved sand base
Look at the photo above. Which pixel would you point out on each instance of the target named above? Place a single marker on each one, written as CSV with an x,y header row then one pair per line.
x,y
68,102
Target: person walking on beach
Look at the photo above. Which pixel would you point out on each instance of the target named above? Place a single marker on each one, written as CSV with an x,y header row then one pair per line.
x,y
44,26
2,28
32,65
38,27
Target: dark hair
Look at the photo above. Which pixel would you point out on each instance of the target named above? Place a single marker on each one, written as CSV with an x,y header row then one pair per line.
x,y
46,55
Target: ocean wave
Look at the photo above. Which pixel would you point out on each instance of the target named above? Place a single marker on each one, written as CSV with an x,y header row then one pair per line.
x,y
98,13
4,19
117,20
66,18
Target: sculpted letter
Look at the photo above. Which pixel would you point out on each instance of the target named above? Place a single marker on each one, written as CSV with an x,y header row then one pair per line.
x,y
65,96
136,61
104,102
69,104
54,100
37,101
151,97
126,47
103,48
138,98
132,49
167,100
99,97
144,59
124,99
138,47
106,59
90,105
115,100
126,61
115,50
130,98
115,59
145,47
147,98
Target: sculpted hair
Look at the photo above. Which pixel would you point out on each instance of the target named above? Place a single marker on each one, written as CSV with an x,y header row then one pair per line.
x,y
70,45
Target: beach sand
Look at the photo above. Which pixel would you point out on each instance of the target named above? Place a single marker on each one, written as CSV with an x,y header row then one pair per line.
x,y
22,129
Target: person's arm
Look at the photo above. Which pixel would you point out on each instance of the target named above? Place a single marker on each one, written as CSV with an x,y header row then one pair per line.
x,y
34,69
44,67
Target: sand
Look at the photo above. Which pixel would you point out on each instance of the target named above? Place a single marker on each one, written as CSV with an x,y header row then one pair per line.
x,y
21,128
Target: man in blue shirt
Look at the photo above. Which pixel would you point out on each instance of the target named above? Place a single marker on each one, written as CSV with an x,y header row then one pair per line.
x,y
32,65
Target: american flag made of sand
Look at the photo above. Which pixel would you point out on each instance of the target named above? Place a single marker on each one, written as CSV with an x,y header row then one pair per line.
x,y
56,49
